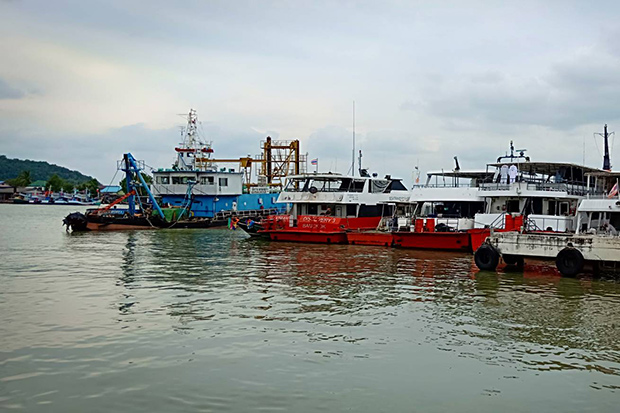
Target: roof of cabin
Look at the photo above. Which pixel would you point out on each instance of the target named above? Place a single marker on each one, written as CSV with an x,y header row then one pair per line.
x,y
546,167
461,174
111,189
334,175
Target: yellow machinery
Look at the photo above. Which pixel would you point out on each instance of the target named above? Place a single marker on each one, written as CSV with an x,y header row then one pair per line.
x,y
278,160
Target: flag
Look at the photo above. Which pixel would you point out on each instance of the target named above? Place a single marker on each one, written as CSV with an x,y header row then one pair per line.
x,y
315,161
614,191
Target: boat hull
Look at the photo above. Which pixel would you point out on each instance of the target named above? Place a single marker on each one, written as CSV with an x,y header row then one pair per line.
x,y
92,222
382,239
307,236
439,241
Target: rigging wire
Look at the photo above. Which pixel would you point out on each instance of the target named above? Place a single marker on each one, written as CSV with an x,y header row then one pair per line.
x,y
596,144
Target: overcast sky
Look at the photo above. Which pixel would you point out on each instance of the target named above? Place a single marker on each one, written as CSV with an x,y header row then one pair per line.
x,y
82,82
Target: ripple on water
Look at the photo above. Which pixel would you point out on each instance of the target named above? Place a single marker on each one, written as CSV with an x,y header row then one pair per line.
x,y
177,320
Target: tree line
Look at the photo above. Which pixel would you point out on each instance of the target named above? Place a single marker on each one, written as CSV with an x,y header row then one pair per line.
x,y
55,183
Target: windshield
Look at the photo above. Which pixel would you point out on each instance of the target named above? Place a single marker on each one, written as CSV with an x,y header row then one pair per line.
x,y
325,184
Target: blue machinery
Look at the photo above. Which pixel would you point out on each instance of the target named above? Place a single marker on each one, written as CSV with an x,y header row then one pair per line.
x,y
130,166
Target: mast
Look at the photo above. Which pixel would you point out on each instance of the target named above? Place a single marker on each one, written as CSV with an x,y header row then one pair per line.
x,y
606,160
353,153
193,154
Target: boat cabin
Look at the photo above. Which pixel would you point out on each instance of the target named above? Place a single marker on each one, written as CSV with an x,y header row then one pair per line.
x,y
342,196
222,182
546,192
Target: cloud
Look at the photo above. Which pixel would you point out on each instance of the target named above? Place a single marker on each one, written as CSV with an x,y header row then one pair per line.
x,y
575,91
9,92
96,154
468,78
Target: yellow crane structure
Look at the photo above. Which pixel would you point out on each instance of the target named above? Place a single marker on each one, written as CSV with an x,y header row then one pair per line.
x,y
277,160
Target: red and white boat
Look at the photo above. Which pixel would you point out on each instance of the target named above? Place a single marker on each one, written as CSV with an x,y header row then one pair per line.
x,y
444,212
324,207
437,215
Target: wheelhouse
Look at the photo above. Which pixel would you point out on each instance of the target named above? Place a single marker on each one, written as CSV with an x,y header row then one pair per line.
x,y
342,196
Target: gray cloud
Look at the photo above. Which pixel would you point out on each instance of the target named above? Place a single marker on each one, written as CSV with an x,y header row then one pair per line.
x,y
96,154
470,77
582,90
9,92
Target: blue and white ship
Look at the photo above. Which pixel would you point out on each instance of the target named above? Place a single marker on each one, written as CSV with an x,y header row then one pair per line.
x,y
211,191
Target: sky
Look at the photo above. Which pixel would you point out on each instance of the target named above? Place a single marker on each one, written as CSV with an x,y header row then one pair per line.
x,y
82,82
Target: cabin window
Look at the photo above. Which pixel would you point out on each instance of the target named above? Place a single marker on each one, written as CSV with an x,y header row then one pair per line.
x,y
378,186
165,180
564,208
295,185
537,206
312,209
512,206
181,180
357,185
223,181
397,186
207,180
327,185
373,210
351,210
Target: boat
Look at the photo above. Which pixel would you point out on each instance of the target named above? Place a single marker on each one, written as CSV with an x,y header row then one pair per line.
x,y
592,237
324,207
19,199
215,192
444,210
456,210
595,243
437,215
542,196
137,214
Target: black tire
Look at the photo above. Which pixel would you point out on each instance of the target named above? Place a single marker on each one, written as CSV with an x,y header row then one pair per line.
x,y
569,262
486,258
513,260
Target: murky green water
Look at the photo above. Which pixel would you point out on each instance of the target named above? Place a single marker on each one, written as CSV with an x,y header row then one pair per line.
x,y
183,320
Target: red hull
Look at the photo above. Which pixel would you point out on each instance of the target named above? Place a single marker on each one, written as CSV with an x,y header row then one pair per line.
x,y
306,236
314,229
440,241
383,239
478,236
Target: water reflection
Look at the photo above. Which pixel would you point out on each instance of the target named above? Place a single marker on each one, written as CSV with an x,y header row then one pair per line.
x,y
163,320
535,320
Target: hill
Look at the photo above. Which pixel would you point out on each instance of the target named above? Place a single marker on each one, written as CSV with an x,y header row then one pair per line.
x,y
39,170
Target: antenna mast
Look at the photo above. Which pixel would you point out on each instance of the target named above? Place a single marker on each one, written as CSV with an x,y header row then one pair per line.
x,y
606,159
353,154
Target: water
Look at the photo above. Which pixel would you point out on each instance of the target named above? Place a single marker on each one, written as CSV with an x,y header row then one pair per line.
x,y
206,320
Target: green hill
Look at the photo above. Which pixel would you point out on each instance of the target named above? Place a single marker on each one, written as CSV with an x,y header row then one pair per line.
x,y
39,170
